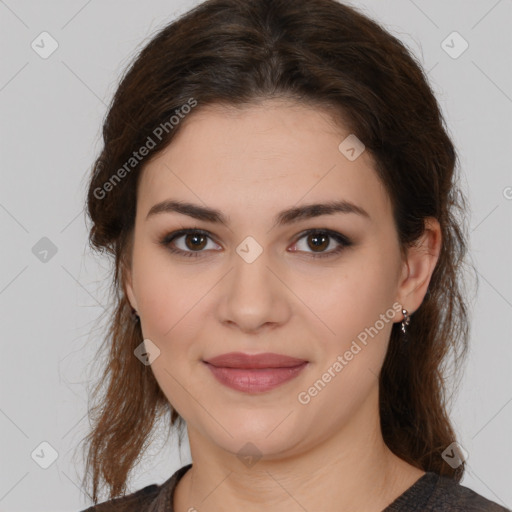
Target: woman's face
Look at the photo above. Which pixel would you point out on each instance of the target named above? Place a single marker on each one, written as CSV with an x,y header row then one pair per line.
x,y
254,285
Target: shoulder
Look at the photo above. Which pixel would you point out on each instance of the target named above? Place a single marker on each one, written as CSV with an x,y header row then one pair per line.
x,y
450,495
139,500
149,499
435,493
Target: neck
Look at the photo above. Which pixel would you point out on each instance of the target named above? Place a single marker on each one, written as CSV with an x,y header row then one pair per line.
x,y
350,469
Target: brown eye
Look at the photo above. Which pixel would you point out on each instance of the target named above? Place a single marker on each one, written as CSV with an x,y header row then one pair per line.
x,y
192,242
319,242
195,242
187,242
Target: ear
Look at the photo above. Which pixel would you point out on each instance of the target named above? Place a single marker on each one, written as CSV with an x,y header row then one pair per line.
x,y
128,287
419,265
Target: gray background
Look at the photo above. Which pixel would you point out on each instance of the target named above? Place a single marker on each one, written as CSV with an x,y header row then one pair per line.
x,y
51,115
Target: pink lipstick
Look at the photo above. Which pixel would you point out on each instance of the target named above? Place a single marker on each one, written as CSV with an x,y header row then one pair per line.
x,y
254,373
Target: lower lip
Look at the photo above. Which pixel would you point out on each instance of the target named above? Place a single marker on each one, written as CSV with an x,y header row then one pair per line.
x,y
255,380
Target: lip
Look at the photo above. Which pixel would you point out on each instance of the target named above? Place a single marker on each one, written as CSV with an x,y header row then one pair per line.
x,y
254,361
254,373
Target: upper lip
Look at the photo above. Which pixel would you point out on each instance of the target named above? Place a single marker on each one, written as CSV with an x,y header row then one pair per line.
x,y
264,360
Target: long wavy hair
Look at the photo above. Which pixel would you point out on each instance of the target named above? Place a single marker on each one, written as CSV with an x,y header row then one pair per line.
x,y
320,53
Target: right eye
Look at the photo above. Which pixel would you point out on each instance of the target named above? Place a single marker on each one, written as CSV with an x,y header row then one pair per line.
x,y
194,242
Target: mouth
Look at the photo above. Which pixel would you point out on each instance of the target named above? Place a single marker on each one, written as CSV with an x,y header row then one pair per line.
x,y
255,380
264,360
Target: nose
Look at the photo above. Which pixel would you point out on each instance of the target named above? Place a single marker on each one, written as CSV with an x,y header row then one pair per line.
x,y
254,296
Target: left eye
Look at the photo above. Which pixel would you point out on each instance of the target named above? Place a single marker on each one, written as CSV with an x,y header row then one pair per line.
x,y
196,241
320,239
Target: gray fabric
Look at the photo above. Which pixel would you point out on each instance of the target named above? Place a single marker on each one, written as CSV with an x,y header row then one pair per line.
x,y
432,493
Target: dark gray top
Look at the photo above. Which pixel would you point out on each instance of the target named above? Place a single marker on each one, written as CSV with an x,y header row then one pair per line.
x,y
431,493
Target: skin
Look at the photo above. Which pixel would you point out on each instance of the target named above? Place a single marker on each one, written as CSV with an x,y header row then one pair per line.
x,y
250,164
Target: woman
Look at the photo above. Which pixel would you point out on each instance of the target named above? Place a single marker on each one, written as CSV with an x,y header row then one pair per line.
x,y
278,192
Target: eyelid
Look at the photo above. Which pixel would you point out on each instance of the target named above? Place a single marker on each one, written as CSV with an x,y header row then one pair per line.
x,y
342,240
343,243
171,237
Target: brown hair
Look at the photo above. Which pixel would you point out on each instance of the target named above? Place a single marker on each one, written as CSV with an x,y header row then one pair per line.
x,y
320,52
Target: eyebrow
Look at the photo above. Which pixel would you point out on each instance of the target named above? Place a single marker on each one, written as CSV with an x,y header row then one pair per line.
x,y
288,216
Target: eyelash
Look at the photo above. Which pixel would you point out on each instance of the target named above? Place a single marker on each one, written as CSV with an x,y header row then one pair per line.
x,y
338,237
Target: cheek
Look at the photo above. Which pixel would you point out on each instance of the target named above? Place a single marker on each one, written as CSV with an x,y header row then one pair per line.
x,y
344,302
351,341
169,307
353,319
173,307
164,294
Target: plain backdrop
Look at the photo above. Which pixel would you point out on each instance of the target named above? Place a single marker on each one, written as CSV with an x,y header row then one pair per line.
x,y
52,288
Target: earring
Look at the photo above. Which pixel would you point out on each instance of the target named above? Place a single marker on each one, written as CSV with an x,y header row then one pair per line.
x,y
406,321
135,316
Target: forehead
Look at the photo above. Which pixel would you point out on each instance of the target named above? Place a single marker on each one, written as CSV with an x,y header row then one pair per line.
x,y
260,158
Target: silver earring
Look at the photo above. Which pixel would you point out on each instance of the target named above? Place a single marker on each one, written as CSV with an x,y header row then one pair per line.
x,y
406,321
